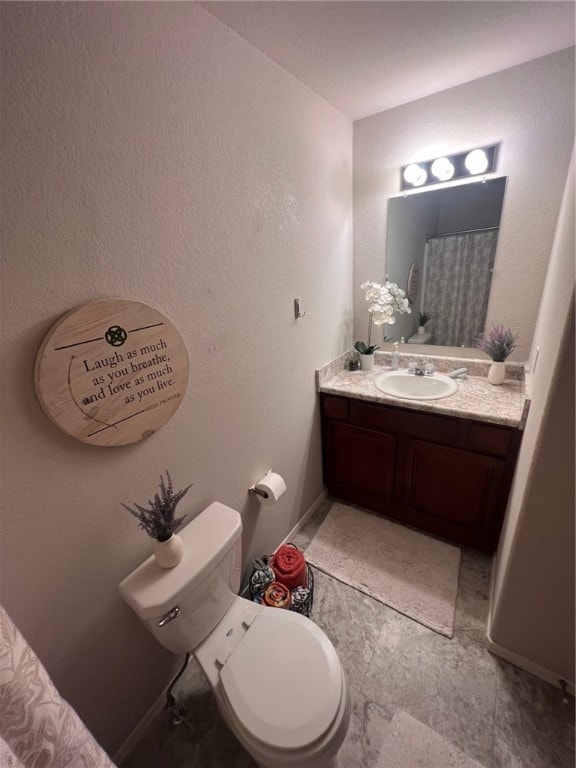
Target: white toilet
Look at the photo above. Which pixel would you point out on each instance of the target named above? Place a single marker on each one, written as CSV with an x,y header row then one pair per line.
x,y
276,676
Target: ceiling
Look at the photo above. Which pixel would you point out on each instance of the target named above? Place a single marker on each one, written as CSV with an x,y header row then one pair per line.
x,y
365,57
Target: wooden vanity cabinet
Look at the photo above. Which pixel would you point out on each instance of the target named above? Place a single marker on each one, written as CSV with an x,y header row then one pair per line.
x,y
442,474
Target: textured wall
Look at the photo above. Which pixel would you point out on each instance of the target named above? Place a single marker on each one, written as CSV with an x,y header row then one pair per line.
x,y
151,153
532,611
530,110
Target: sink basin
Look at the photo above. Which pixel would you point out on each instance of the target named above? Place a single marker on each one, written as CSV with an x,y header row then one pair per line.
x,y
411,387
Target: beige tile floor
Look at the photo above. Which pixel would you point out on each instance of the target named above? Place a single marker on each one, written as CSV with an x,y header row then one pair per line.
x,y
478,705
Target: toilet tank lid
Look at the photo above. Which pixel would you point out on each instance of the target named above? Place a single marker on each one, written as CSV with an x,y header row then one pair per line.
x,y
420,338
152,591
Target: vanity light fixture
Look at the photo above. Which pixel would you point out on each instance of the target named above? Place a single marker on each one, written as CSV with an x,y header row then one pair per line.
x,y
476,161
414,175
442,169
449,167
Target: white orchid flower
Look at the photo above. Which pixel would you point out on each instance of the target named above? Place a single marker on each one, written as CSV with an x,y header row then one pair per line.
x,y
384,300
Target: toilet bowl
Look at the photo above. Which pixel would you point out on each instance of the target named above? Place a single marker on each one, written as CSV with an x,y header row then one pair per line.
x,y
276,676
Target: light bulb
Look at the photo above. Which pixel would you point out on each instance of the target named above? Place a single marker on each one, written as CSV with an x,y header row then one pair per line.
x,y
443,169
476,161
414,174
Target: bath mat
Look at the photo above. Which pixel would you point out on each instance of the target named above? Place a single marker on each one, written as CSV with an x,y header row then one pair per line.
x,y
408,743
404,569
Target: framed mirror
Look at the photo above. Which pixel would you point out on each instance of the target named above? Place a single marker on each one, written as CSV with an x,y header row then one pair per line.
x,y
448,238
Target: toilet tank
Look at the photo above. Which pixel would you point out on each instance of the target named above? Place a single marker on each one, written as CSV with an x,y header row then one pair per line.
x,y
182,605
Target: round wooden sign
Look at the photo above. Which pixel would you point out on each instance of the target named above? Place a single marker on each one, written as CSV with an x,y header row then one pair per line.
x,y
111,372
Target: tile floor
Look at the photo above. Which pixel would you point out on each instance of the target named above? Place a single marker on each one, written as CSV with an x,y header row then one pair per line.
x,y
483,707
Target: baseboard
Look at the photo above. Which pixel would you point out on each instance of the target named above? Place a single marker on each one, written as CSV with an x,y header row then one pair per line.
x,y
515,658
527,664
305,517
128,745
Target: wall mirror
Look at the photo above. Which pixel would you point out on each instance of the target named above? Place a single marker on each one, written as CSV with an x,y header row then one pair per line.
x,y
448,238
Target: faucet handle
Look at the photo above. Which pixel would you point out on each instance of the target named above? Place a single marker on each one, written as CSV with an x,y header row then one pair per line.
x,y
429,368
418,367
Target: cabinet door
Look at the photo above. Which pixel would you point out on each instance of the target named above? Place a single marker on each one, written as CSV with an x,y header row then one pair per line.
x,y
452,492
359,464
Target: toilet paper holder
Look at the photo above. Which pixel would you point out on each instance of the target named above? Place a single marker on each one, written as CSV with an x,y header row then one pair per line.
x,y
257,491
253,490
269,489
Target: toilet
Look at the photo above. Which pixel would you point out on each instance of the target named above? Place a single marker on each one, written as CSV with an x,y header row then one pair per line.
x,y
420,338
276,676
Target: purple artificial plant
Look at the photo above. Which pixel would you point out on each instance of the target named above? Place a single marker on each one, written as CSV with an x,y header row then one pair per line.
x,y
497,343
159,521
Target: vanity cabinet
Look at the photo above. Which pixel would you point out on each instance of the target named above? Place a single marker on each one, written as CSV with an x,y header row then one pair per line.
x,y
445,475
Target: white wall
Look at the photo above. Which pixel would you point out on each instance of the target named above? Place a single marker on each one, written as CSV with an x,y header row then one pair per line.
x,y
151,153
531,617
530,110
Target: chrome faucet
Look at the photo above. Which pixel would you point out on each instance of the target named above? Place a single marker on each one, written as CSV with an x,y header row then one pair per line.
x,y
421,367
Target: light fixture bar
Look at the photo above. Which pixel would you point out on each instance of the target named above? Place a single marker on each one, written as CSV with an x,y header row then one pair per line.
x,y
449,168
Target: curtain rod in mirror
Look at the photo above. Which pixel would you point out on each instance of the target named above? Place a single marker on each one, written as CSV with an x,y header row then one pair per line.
x,y
460,232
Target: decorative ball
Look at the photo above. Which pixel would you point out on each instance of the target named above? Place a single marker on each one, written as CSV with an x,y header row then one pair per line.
x,y
261,578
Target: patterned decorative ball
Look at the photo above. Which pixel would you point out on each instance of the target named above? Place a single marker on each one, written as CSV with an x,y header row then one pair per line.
x,y
260,579
299,597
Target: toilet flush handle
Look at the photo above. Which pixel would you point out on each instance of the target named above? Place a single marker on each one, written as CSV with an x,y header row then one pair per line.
x,y
168,617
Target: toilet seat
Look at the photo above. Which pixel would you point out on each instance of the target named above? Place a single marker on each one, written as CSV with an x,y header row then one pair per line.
x,y
283,682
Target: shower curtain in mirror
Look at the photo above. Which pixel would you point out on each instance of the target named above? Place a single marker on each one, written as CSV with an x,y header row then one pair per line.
x,y
458,278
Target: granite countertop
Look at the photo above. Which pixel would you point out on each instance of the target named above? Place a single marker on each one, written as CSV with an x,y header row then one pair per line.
x,y
475,399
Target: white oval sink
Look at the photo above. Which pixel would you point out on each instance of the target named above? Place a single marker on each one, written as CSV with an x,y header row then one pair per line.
x,y
411,387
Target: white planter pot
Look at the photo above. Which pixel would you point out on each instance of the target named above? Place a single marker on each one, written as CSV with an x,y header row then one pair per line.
x,y
169,553
421,330
367,362
496,373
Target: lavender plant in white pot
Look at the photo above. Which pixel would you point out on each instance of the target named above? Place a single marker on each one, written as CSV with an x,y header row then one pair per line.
x,y
160,522
498,344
